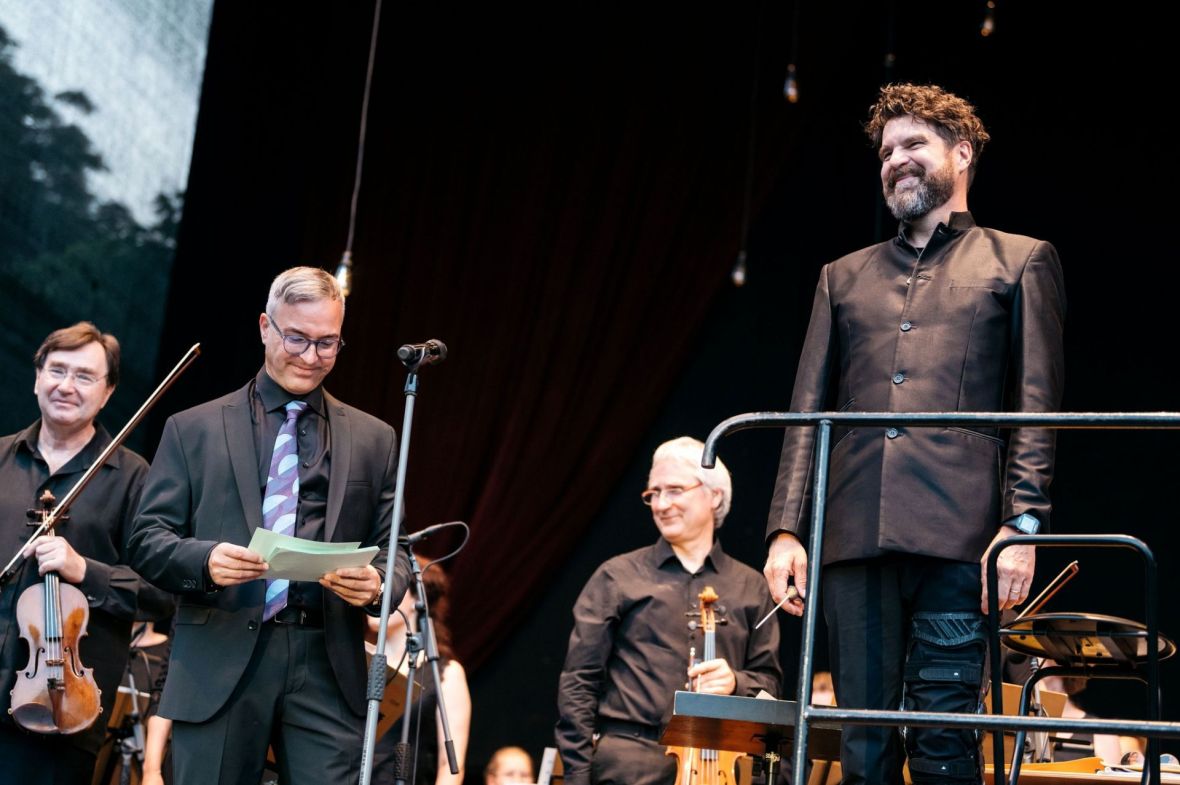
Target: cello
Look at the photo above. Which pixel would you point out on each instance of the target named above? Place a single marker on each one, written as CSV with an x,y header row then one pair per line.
x,y
54,693
701,766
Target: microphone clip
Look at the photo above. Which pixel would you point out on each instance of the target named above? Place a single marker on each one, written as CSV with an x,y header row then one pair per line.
x,y
418,355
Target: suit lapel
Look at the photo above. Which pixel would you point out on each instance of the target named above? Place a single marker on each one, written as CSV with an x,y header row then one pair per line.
x,y
243,457
340,429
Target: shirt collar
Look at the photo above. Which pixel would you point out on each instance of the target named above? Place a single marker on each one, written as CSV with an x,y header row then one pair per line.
x,y
959,223
27,440
714,560
274,397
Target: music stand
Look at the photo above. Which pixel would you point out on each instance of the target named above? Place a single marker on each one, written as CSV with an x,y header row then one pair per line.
x,y
1086,645
761,728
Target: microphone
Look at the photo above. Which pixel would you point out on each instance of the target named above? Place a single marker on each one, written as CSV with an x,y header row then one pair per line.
x,y
416,355
429,531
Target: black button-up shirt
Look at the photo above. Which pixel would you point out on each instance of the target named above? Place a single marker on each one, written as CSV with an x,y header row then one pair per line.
x,y
628,653
97,528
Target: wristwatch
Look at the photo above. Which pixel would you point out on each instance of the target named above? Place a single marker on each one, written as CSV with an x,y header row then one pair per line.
x,y
1025,524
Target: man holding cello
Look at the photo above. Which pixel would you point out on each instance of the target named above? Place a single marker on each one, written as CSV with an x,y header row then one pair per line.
x,y
640,631
77,369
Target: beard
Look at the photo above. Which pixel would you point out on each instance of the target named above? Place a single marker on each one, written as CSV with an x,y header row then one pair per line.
x,y
933,189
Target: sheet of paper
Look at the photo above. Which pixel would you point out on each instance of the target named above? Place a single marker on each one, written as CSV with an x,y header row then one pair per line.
x,y
265,542
306,560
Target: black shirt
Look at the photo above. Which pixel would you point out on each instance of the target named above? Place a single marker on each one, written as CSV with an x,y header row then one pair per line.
x,y
98,525
267,412
628,653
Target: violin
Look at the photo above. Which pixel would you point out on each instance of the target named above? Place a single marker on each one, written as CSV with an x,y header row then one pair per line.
x,y
700,766
54,693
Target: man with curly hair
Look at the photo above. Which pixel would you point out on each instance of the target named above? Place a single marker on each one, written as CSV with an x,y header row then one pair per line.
x,y
946,316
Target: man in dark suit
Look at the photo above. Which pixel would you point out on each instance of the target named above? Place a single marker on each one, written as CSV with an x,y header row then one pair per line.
x,y
258,662
77,369
947,316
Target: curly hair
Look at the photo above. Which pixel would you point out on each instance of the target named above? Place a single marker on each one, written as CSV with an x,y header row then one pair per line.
x,y
951,117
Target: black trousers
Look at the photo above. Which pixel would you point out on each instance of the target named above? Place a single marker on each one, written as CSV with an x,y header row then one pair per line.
x,y
907,626
631,760
34,759
288,697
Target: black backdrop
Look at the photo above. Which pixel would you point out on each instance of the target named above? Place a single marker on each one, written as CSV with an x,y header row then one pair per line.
x,y
558,196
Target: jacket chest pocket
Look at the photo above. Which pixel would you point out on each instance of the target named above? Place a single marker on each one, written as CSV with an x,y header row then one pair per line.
x,y
975,300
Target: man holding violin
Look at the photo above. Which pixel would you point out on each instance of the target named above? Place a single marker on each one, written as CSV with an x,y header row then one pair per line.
x,y
77,369
636,621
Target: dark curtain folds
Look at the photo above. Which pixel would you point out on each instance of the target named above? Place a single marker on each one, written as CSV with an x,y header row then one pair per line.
x,y
560,210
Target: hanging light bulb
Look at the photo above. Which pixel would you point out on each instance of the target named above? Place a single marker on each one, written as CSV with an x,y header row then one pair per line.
x,y
989,20
738,275
344,269
791,86
344,273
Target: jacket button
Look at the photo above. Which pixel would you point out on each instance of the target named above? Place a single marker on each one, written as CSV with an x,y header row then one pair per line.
x,y
898,378
891,433
906,327
252,625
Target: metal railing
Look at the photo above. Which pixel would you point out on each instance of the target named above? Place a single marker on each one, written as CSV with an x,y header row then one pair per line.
x,y
823,422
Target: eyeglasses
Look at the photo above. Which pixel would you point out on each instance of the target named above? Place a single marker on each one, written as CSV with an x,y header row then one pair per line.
x,y
82,379
672,493
297,344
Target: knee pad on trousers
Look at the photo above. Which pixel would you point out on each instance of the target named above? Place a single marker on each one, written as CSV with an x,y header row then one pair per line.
x,y
943,672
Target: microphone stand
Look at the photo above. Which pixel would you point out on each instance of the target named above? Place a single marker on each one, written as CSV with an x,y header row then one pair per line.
x,y
422,638
377,667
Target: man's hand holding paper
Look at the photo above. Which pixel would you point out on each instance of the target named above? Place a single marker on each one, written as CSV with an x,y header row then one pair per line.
x,y
308,560
231,564
358,586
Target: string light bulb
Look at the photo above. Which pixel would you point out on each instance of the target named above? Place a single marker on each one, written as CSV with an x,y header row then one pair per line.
x,y
344,273
989,20
738,275
791,86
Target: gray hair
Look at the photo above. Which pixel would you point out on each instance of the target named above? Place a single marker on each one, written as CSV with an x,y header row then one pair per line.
x,y
303,285
688,451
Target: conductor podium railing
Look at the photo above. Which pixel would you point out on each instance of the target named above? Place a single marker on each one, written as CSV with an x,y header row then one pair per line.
x,y
995,722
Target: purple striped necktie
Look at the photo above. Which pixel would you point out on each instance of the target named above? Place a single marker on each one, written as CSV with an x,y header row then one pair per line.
x,y
281,499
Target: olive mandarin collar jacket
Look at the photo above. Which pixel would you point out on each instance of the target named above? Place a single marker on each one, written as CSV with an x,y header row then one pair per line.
x,y
972,322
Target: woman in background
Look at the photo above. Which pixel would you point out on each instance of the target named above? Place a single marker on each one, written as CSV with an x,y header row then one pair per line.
x,y
430,767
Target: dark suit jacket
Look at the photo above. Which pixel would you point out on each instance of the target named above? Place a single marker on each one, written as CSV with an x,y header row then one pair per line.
x,y
974,325
203,489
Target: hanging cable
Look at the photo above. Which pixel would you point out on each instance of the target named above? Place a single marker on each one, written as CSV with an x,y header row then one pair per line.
x,y
344,269
738,274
